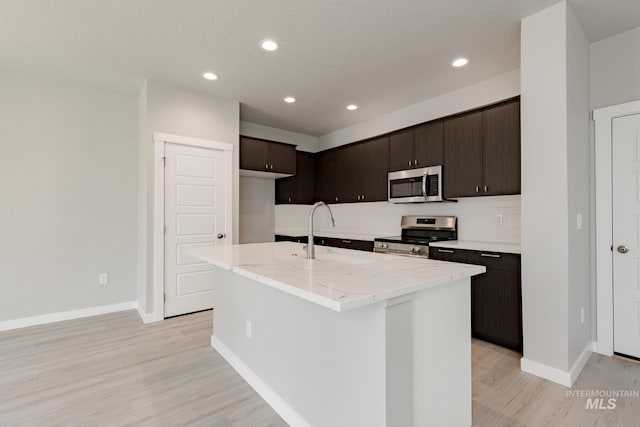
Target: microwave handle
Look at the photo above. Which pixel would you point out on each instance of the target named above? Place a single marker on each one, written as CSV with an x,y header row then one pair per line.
x,y
424,186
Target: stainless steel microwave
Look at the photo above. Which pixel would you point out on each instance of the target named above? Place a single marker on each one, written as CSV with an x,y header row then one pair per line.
x,y
416,185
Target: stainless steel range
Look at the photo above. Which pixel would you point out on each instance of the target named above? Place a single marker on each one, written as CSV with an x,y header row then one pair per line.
x,y
417,232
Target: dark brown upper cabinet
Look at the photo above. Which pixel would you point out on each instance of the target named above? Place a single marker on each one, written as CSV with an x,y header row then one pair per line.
x,y
429,144
462,167
479,151
401,150
267,156
374,161
328,176
298,189
482,152
365,171
354,172
501,137
416,147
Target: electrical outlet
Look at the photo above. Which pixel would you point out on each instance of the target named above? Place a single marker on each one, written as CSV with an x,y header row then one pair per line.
x,y
582,315
498,219
103,278
248,329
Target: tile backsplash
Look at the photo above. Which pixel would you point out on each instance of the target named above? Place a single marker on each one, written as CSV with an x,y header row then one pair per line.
x,y
478,217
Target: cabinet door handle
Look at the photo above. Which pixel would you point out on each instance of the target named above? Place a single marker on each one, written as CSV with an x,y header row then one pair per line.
x,y
490,255
409,163
486,188
266,166
362,197
336,198
446,251
289,199
271,167
358,197
477,189
346,241
415,162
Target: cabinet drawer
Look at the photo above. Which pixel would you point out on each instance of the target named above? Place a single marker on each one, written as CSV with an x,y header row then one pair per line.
x,y
452,255
296,239
493,260
358,245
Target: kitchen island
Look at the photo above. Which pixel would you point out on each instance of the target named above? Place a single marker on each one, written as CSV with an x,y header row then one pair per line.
x,y
348,339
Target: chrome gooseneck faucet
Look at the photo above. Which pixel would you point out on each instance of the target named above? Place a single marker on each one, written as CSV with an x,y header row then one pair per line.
x,y
311,254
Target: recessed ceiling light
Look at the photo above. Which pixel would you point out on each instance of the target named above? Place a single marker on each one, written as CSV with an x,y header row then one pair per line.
x,y
352,107
460,62
289,100
210,76
269,45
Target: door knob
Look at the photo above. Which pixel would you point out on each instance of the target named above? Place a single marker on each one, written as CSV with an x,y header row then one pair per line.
x,y
623,249
221,235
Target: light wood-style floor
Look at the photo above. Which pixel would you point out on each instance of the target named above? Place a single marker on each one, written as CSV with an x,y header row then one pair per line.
x,y
505,396
112,370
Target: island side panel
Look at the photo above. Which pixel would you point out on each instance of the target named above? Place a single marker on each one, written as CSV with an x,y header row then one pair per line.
x,y
327,366
442,355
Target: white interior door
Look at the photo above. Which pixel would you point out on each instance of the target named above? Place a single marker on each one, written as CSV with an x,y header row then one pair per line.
x,y
194,216
626,234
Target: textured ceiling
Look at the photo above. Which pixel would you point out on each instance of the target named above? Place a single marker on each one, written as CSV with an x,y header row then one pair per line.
x,y
382,55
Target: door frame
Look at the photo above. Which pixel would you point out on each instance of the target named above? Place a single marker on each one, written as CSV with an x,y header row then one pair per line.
x,y
603,118
159,141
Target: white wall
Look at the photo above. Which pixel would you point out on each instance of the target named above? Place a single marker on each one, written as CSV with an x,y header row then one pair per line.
x,y
257,216
615,67
303,142
174,110
144,200
476,217
68,189
578,186
555,134
483,93
544,189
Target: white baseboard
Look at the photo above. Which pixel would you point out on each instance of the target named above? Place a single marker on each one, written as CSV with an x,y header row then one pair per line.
x,y
547,372
288,414
582,360
24,322
565,378
146,318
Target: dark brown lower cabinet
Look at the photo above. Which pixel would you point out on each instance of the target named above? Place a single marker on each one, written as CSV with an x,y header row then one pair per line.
x,y
496,296
295,239
358,245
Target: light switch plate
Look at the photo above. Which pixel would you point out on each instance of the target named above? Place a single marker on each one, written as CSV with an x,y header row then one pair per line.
x,y
103,278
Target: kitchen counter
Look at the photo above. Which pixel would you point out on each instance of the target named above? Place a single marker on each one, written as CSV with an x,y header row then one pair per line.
x,y
372,339
509,248
330,233
339,279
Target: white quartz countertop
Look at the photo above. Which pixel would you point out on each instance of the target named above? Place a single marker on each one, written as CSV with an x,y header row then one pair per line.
x,y
509,248
339,279
330,233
